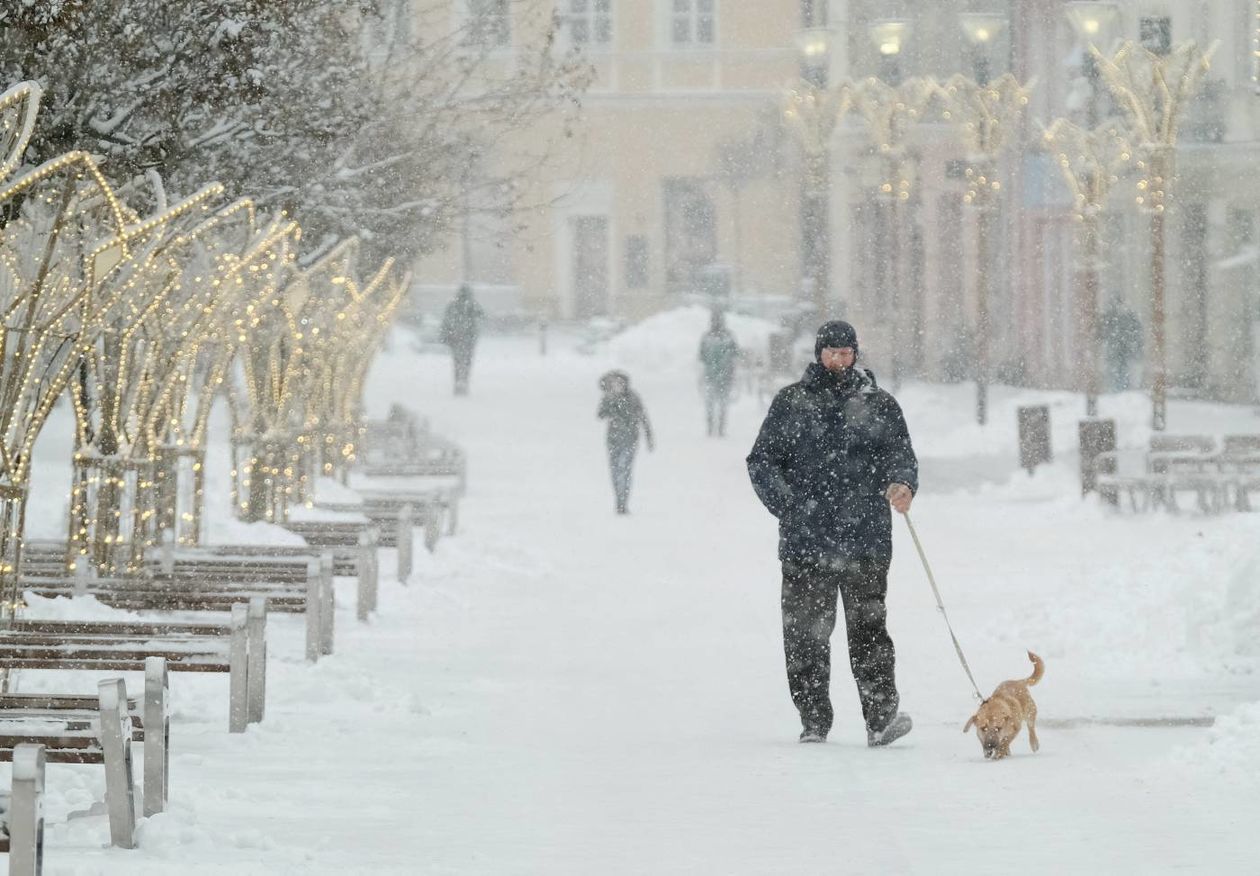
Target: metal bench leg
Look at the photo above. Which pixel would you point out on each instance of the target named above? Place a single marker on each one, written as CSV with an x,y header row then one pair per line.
x,y
327,614
26,811
452,515
157,735
314,610
1133,499
238,659
405,519
256,678
367,575
119,776
432,526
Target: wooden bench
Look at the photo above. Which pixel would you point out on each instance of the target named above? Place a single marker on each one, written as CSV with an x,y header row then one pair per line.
x,y
190,590
23,834
99,730
150,723
353,545
403,446
189,580
1175,464
394,519
342,561
435,500
449,462
237,648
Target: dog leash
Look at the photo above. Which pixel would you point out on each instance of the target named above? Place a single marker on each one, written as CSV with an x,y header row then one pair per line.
x,y
941,605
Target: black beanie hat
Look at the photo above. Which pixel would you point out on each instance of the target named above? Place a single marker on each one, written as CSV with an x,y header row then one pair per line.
x,y
836,333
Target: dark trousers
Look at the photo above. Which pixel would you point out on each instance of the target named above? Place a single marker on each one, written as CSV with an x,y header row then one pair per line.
x,y
809,616
716,399
621,464
462,357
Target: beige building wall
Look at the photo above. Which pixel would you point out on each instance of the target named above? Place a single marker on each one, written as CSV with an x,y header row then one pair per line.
x,y
656,113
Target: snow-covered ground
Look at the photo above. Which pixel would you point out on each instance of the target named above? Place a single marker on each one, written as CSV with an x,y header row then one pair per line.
x,y
561,690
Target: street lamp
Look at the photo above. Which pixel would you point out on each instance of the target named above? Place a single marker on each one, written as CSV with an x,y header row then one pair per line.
x,y
891,107
812,110
1091,20
814,46
1153,90
1090,178
982,30
987,111
1092,23
889,36
1088,158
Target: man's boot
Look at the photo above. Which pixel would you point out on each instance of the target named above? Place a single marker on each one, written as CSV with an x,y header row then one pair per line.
x,y
899,726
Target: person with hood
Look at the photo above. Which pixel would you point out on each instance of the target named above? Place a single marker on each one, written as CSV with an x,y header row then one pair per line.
x,y
718,352
832,455
461,324
624,411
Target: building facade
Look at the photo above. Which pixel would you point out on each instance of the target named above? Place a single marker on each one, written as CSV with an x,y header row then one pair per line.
x,y
685,181
674,184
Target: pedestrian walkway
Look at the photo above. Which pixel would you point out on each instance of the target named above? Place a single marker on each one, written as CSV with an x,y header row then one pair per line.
x,y
562,690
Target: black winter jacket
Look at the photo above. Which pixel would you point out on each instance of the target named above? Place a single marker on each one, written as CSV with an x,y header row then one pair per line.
x,y
829,448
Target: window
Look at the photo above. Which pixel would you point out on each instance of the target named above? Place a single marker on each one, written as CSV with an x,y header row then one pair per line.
x,y
693,22
1155,33
636,261
587,22
489,23
690,233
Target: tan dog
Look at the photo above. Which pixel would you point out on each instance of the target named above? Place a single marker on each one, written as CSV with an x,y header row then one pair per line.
x,y
999,717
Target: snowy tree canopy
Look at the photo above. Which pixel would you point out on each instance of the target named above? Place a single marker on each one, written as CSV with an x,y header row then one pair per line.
x,y
320,107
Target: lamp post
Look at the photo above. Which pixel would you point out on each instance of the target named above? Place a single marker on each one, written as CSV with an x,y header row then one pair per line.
x,y
1153,89
987,110
891,107
1092,22
982,30
812,110
1085,158
889,36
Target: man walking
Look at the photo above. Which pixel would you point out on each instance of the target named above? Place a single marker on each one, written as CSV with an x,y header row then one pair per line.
x,y
718,352
832,455
461,324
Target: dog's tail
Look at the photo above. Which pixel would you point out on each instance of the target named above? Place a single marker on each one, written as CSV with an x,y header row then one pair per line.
x,y
1039,668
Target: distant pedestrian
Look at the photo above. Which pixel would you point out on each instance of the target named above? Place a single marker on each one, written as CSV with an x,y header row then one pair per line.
x,y
1122,342
718,353
461,324
832,455
626,416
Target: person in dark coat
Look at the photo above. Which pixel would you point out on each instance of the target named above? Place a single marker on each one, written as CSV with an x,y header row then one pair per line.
x,y
718,352
832,455
1122,340
461,324
626,416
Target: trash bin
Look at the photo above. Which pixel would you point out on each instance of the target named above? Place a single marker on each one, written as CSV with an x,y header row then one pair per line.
x,y
1096,436
1034,436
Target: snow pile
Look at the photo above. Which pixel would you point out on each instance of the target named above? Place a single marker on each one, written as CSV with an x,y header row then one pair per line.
x,y
669,342
332,490
1230,750
1226,620
225,529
